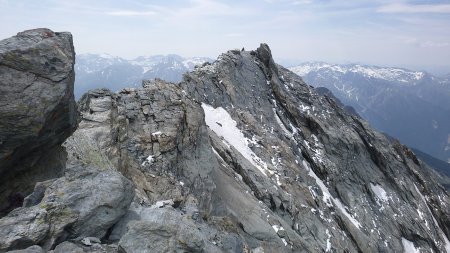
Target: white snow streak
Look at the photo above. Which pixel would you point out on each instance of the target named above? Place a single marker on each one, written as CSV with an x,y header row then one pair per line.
x,y
408,246
327,198
280,123
379,191
446,241
328,241
219,121
149,160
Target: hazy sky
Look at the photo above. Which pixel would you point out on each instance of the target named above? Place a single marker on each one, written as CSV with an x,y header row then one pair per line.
x,y
391,33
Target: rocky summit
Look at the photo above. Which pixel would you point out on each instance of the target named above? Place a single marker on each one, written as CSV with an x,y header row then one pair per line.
x,y
240,156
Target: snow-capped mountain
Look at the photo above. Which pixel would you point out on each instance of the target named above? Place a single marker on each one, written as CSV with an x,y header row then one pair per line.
x,y
172,61
103,70
90,63
396,75
413,106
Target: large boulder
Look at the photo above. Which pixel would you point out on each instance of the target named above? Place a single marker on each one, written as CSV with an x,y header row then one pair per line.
x,y
86,202
37,110
162,230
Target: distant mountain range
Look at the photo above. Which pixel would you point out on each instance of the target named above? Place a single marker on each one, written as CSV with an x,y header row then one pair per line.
x,y
103,70
413,106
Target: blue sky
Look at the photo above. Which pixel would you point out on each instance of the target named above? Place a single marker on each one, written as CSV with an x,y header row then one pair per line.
x,y
413,34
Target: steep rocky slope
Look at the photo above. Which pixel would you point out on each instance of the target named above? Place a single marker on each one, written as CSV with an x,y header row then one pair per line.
x,y
241,156
37,110
364,190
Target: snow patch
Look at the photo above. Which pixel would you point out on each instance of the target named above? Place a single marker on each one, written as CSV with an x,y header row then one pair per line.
x,y
277,228
328,241
156,133
149,160
408,246
162,203
232,135
379,191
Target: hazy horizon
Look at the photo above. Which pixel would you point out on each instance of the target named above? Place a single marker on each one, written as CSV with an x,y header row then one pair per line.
x,y
408,34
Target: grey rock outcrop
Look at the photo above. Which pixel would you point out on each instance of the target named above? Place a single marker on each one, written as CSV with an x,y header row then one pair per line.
x,y
31,249
37,110
73,247
86,202
162,230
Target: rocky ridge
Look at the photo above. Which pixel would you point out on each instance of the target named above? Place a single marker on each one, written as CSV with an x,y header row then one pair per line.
x,y
241,156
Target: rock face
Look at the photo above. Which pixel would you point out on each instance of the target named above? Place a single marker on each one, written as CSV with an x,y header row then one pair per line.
x,y
241,156
252,159
325,176
86,202
37,110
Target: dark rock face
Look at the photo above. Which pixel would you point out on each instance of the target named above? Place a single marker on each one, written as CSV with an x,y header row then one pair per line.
x,y
37,110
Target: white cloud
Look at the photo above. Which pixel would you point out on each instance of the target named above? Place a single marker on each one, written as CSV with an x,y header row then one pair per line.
x,y
131,13
294,2
414,8
425,43
234,35
430,43
299,2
